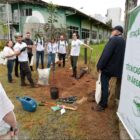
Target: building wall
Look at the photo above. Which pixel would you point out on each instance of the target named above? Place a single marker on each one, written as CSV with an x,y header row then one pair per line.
x,y
86,24
39,17
35,23
115,15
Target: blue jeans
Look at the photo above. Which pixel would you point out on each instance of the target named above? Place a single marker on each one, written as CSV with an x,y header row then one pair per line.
x,y
105,90
51,59
10,65
38,55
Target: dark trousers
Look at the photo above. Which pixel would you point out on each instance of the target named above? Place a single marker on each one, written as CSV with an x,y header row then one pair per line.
x,y
10,65
105,90
51,59
30,58
16,67
38,55
118,88
74,60
62,57
25,72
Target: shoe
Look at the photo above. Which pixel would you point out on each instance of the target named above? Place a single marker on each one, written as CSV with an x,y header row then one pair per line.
x,y
17,76
13,81
34,86
24,84
98,108
72,75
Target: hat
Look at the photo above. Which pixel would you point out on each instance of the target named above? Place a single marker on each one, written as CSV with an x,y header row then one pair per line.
x,y
18,35
119,28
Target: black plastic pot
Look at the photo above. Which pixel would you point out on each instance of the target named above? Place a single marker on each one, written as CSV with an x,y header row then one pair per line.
x,y
54,93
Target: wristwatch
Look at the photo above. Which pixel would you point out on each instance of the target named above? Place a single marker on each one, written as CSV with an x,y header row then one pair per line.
x,y
13,129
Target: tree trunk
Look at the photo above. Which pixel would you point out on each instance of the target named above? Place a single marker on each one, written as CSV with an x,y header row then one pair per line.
x,y
129,5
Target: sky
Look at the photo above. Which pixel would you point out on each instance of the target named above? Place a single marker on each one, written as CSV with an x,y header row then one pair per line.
x,y
91,7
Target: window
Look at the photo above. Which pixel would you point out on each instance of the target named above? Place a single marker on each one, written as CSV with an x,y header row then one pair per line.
x,y
94,35
71,30
26,12
100,36
85,33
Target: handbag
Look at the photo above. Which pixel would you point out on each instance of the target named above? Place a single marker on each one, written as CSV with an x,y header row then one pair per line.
x,y
98,91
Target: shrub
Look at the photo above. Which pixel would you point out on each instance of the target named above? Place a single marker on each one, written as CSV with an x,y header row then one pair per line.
x,y
2,44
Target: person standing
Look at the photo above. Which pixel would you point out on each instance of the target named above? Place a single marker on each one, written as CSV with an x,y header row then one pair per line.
x,y
21,48
39,52
30,44
8,123
52,49
110,64
62,50
75,52
11,56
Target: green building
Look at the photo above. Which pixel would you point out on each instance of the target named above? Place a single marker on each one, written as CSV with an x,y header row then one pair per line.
x,y
32,15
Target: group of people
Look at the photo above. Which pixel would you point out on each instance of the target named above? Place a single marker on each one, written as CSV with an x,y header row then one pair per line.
x,y
22,51
109,65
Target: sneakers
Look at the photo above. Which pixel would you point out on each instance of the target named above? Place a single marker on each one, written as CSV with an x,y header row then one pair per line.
x,y
72,75
24,84
98,108
34,86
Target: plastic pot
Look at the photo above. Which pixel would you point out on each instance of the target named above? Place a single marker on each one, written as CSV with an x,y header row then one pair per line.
x,y
54,93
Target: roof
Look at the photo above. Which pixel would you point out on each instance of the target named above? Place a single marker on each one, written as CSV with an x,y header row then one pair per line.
x,y
78,12
83,14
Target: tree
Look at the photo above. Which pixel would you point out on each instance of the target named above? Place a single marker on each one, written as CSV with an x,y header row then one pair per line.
x,y
4,30
50,30
129,5
52,19
4,33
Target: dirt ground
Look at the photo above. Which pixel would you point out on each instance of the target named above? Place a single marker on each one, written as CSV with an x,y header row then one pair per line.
x,y
83,124
94,125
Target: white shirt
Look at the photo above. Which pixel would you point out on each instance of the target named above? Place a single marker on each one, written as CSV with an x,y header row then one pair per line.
x,y
52,48
6,106
39,45
23,57
62,45
75,47
7,52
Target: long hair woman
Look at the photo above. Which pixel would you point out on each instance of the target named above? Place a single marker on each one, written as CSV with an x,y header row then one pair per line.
x,y
11,56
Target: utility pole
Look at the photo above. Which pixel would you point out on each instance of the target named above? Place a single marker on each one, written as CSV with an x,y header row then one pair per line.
x,y
8,23
129,5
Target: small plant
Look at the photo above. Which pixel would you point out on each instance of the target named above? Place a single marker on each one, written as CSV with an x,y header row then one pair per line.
x,y
2,44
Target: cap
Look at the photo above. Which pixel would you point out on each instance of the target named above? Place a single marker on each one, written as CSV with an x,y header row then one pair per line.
x,y
119,28
18,35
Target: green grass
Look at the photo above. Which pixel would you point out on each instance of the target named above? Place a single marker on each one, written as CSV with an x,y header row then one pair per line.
x,y
97,50
94,57
44,122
